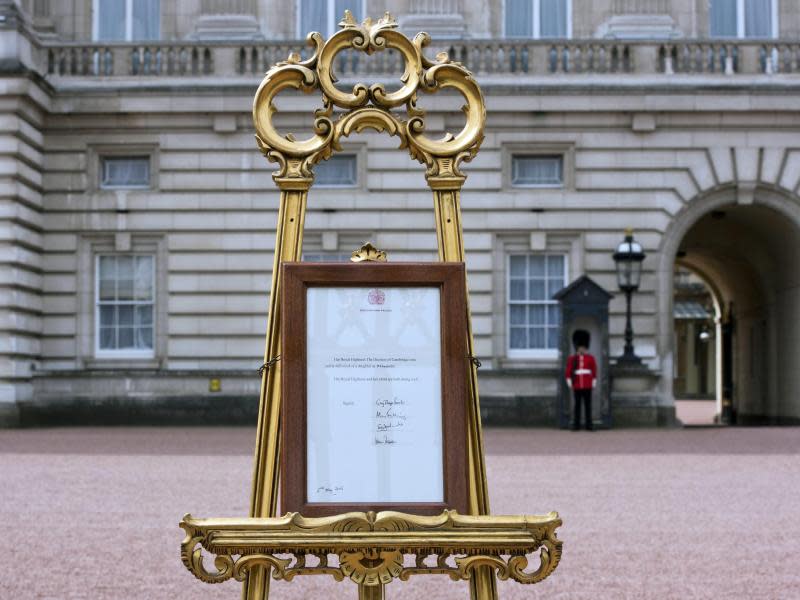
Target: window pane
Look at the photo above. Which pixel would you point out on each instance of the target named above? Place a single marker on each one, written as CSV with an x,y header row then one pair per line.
x,y
555,266
517,265
537,290
125,337
553,18
544,170
125,289
552,337
125,172
107,273
108,338
536,266
536,337
554,286
125,267
517,314
111,20
124,278
125,315
108,267
517,289
536,315
722,18
339,170
143,283
146,19
143,315
108,289
553,311
314,17
758,18
144,338
519,18
518,338
108,316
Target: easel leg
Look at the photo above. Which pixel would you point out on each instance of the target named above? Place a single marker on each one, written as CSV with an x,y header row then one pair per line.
x,y
264,499
449,232
371,592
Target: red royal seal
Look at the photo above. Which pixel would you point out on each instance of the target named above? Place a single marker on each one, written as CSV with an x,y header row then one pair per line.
x,y
376,297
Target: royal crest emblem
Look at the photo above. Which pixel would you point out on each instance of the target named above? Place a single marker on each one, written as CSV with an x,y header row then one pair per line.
x,y
376,297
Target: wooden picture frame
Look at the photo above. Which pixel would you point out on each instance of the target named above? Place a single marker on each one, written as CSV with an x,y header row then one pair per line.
x,y
394,292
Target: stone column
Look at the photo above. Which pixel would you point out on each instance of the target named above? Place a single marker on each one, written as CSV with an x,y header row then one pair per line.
x,y
21,219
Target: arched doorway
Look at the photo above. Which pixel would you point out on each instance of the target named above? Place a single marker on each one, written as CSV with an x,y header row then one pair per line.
x,y
748,254
698,332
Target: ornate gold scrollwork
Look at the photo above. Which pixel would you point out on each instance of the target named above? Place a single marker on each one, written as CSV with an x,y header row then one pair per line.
x,y
368,253
368,107
370,547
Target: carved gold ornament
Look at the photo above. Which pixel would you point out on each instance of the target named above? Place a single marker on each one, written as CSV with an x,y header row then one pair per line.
x,y
368,107
368,253
370,548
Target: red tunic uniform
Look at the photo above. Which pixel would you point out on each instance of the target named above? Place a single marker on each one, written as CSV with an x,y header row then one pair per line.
x,y
581,371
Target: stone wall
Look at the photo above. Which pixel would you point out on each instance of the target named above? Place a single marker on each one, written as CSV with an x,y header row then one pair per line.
x,y
22,109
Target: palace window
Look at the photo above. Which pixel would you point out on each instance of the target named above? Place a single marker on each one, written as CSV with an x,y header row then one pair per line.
x,y
126,20
532,314
538,18
324,15
340,170
124,172
124,305
537,170
743,18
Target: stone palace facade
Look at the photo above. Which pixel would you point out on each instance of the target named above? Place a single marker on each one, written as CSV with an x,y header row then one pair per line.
x,y
138,217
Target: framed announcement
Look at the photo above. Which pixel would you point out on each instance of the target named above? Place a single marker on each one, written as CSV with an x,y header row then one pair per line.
x,y
374,385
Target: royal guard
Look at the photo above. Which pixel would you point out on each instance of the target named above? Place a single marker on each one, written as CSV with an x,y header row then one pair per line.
x,y
581,377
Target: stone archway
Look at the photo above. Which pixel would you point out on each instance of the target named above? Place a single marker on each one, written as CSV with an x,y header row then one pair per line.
x,y
698,336
748,246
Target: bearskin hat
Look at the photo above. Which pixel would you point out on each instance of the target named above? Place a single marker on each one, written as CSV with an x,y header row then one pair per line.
x,y
581,337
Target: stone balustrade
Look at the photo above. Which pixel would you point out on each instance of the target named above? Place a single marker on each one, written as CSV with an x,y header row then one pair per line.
x,y
486,57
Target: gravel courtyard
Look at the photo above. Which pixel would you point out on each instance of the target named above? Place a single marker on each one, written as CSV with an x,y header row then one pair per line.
x,y
687,513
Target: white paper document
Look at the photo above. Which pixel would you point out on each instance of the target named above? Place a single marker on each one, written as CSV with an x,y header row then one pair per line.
x,y
374,396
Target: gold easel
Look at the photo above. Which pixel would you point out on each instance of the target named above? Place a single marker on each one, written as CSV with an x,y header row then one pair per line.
x,y
366,108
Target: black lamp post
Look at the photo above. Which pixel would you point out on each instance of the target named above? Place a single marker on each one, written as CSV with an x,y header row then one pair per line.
x,y
628,258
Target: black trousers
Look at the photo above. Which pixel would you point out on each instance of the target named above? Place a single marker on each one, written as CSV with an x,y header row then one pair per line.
x,y
584,396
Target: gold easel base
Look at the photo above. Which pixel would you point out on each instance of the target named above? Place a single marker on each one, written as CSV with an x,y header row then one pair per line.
x,y
371,548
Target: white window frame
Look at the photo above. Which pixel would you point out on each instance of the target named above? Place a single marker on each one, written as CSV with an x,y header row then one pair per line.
x,y
333,19
124,353
143,186
531,353
128,21
348,186
558,185
536,26
565,149
740,25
